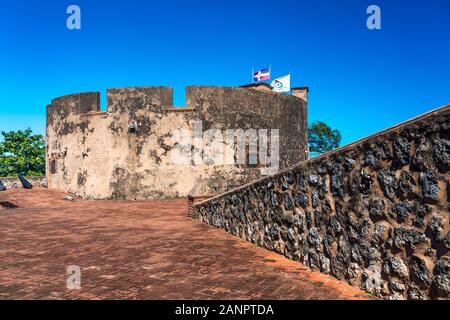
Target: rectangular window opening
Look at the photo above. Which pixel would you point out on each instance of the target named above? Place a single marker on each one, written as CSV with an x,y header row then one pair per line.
x,y
53,167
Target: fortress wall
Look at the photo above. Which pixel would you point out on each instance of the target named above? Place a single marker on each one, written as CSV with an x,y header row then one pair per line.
x,y
99,157
15,183
230,107
133,99
374,213
126,152
78,102
145,149
70,139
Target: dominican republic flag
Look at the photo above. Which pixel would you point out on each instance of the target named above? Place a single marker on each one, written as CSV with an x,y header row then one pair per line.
x,y
261,75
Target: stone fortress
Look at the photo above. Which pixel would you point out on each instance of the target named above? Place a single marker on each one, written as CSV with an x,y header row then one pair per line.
x,y
126,152
374,213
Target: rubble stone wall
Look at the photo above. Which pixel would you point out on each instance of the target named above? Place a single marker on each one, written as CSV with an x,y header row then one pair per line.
x,y
374,213
14,182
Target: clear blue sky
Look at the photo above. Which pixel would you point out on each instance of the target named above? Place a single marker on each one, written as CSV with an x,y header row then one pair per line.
x,y
361,81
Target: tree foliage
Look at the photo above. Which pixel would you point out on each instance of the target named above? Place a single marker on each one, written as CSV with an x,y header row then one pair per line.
x,y
22,153
322,138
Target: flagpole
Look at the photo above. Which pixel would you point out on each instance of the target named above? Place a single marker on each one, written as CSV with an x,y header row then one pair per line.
x,y
290,86
253,78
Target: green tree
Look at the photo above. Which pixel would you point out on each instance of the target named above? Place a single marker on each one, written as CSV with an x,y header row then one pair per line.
x,y
322,138
22,153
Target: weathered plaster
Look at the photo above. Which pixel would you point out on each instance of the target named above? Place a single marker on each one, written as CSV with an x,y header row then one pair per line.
x,y
99,157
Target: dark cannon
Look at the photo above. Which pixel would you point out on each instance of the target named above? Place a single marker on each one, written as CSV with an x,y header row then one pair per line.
x,y
25,183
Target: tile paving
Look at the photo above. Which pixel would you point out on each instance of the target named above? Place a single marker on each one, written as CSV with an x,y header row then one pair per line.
x,y
139,250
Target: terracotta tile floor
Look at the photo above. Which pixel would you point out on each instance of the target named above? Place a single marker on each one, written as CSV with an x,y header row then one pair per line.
x,y
139,250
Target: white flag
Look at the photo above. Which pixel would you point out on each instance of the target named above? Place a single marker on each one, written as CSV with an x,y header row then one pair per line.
x,y
282,84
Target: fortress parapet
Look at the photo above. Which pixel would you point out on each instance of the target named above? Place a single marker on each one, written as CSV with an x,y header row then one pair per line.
x,y
126,151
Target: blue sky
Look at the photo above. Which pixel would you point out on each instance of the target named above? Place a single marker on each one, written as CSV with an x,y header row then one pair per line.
x,y
361,81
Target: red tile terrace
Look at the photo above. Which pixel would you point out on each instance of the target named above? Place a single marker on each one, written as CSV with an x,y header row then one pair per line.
x,y
139,250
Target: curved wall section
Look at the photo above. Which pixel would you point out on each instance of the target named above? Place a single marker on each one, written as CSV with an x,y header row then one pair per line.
x,y
127,151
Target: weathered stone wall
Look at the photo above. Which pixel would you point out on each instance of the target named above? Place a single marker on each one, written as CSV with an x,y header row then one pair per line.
x,y
126,152
14,182
227,108
374,213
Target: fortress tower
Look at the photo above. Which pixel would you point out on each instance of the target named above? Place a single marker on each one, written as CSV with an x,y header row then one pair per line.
x,y
127,151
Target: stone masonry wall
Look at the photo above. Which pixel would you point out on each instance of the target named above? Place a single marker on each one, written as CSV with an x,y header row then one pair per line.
x,y
374,213
14,182
126,151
